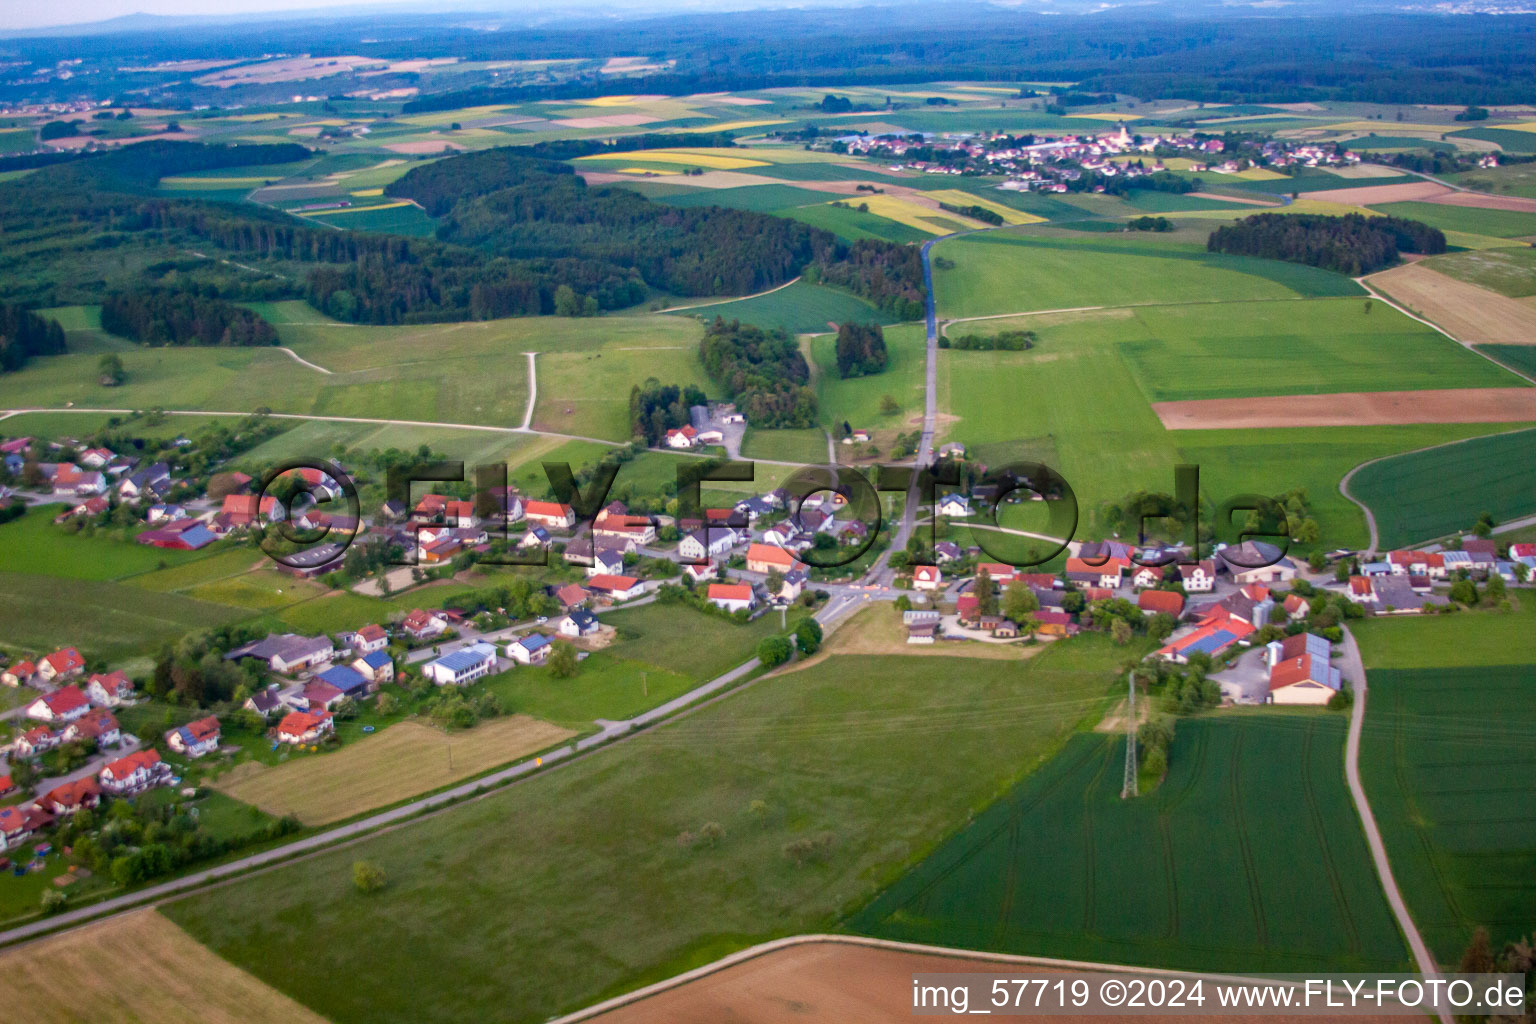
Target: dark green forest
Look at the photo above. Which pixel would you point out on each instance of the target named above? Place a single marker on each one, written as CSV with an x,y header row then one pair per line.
x,y
860,349
162,316
1353,244
24,334
762,371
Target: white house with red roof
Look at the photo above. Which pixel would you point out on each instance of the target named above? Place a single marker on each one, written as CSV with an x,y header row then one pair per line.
x,y
732,597
366,640
62,705
305,726
99,725
1417,563
19,674
1199,577
549,514
111,690
420,625
36,740
766,558
71,796
138,771
65,663
682,437
927,577
616,588
1106,575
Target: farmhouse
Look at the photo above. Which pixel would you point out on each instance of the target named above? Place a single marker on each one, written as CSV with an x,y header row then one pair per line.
x,y
62,705
631,529
182,535
287,653
766,558
549,514
731,596
347,680
195,738
1169,602
616,588
682,437
462,666
1199,577
1300,673
710,542
1106,575
533,649
138,771
1212,638
305,726
62,664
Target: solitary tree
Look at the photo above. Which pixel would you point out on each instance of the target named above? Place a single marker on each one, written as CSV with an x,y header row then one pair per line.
x,y
774,651
110,370
367,876
986,593
562,661
808,636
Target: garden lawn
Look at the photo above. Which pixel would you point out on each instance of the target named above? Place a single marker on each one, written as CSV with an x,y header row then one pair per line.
x,y
1424,495
807,446
1248,857
1004,272
576,877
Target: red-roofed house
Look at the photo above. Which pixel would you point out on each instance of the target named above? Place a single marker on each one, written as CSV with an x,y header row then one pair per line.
x,y
615,588
1200,577
1152,602
305,726
550,515
966,607
36,741
1296,607
420,625
927,577
682,437
62,705
19,674
71,796
766,558
730,596
1417,563
61,664
1361,590
195,738
138,771
367,640
111,690
99,725
1049,623
1143,576
1106,575
1304,679
242,509
1000,572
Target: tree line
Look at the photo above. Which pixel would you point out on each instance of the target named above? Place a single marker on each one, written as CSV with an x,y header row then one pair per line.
x,y
860,350
180,316
1002,341
762,371
24,334
656,408
1352,244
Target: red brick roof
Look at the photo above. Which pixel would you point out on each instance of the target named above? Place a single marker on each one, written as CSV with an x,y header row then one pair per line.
x,y
297,723
73,794
65,660
65,700
547,508
126,766
770,554
607,581
926,573
730,592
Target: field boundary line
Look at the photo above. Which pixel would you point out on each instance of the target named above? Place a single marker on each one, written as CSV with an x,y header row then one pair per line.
x,y
1416,946
723,301
302,361
791,941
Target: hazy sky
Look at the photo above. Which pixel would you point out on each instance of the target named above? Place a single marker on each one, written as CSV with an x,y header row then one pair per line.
x,y
31,14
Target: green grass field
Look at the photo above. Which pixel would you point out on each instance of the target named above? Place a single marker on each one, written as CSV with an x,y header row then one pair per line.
x,y
1424,495
1471,219
103,619
857,400
1509,272
1508,179
1445,762
1004,272
393,220
848,223
809,446
759,198
1248,857
1512,141
560,855
800,308
671,637
605,687
32,544
1519,357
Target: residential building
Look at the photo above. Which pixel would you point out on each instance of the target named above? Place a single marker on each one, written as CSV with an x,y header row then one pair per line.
x,y
1199,577
707,543
65,663
305,726
578,623
1168,602
71,796
195,738
927,577
1256,562
377,667
463,666
264,702
111,690
732,597
62,705
421,625
366,640
19,674
766,558
287,653
319,694
682,437
99,726
532,649
348,680
549,514
955,506
139,771
616,588
1106,575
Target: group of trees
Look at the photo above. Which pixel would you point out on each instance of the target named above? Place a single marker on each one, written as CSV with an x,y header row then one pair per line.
x,y
806,638
24,334
887,274
656,408
975,212
1002,341
860,350
762,371
181,316
1352,244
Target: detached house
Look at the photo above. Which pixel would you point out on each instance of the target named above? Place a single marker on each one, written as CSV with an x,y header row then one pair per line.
x,y
19,674
766,558
533,649
616,588
927,577
71,796
462,666
711,542
139,771
111,690
682,437
61,665
305,726
99,726
732,597
954,506
1199,577
62,705
366,640
420,625
1106,575
549,514
195,738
